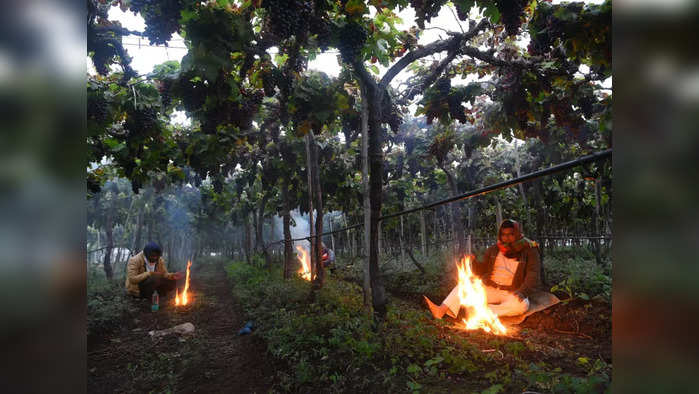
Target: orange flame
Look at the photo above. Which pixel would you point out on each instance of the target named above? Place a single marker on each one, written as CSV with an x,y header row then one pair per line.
x,y
472,296
186,285
177,296
304,258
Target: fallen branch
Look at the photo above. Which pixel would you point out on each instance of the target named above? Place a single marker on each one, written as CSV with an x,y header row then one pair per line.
x,y
579,334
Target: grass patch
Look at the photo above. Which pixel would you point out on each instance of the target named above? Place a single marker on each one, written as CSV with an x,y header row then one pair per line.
x,y
574,272
330,344
107,303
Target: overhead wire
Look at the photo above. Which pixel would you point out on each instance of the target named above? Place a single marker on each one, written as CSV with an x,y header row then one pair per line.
x,y
594,157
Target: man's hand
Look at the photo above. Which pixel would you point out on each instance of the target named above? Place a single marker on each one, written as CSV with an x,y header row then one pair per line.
x,y
178,275
155,274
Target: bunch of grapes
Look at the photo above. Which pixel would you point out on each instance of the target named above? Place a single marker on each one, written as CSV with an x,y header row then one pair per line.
x,y
288,17
193,94
425,10
352,37
97,107
455,109
162,20
102,58
268,83
164,88
564,116
512,14
319,28
543,27
586,104
391,114
241,115
217,184
142,122
248,61
443,86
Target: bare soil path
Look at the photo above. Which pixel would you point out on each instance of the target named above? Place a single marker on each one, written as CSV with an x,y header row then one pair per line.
x,y
213,359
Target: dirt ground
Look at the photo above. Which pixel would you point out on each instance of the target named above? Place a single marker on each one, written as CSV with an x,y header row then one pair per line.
x,y
213,359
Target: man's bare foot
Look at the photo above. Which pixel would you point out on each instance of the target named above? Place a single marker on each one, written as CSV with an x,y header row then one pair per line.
x,y
437,310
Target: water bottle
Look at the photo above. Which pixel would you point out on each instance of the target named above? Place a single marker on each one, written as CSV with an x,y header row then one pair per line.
x,y
156,302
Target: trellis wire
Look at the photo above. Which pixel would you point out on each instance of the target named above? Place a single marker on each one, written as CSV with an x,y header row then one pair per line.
x,y
594,157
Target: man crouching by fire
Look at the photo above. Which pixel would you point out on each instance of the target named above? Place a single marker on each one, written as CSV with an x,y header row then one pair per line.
x,y
146,273
510,271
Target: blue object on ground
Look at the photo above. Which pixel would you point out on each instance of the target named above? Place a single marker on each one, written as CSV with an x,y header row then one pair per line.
x,y
250,325
245,331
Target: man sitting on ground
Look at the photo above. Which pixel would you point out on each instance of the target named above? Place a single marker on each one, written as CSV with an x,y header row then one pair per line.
x,y
146,273
510,270
327,256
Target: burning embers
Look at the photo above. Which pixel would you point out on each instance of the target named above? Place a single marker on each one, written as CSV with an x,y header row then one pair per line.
x,y
305,259
472,297
182,300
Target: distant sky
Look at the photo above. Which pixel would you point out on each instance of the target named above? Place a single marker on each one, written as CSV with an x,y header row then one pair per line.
x,y
144,56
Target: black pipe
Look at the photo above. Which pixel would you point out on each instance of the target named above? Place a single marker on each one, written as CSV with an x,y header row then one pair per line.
x,y
598,156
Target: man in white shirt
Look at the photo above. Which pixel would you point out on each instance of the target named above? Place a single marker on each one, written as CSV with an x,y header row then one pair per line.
x,y
510,270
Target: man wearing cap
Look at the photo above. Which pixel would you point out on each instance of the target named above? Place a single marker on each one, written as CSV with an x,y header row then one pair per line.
x,y
146,273
510,271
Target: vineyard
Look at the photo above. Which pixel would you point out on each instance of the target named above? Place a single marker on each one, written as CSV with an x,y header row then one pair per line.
x,y
435,122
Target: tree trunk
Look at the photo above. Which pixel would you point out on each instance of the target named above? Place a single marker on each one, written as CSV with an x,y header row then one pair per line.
x,y
350,237
248,239
332,236
423,236
286,214
520,186
498,213
110,243
367,199
311,227
434,230
417,264
457,224
320,270
598,252
378,294
402,251
381,251
259,238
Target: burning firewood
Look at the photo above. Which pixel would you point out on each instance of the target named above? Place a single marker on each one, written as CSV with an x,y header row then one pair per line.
x,y
304,258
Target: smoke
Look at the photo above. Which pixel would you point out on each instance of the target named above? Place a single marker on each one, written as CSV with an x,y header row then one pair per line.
x,y
299,228
179,221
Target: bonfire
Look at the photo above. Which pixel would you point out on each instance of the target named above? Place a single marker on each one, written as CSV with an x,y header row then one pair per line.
x,y
183,299
472,297
304,258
